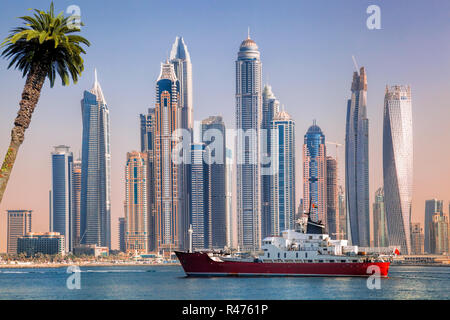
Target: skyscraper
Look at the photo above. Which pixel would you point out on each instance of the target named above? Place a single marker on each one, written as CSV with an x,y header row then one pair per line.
x,y
380,235
282,200
122,227
213,133
439,233
431,207
76,202
248,124
357,162
230,213
417,238
342,214
136,233
200,219
168,217
147,130
270,107
332,198
61,218
315,173
95,226
19,224
181,61
398,165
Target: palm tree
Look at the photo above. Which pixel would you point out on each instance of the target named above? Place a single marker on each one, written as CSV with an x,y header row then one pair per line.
x,y
44,47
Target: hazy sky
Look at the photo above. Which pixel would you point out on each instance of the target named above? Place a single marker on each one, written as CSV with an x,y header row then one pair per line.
x,y
306,49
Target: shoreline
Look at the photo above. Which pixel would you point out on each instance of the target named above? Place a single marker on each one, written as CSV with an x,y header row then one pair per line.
x,y
83,264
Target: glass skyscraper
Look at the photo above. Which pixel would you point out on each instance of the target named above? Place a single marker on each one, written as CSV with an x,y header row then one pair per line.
x,y
398,165
95,225
230,213
76,202
282,200
213,133
181,61
200,219
431,207
357,162
61,218
147,131
332,198
380,235
343,221
248,124
270,108
314,173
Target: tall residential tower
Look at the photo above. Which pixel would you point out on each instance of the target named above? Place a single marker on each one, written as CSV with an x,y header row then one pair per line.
x,y
181,61
398,165
61,218
332,198
95,225
19,223
167,180
147,129
315,173
248,124
271,106
380,235
214,136
282,200
357,162
136,213
431,207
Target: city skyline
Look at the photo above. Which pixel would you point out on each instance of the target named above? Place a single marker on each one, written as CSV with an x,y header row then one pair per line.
x,y
42,208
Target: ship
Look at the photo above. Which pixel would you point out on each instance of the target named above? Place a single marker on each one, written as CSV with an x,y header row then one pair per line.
x,y
306,251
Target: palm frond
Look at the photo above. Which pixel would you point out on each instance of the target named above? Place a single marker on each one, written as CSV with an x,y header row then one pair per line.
x,y
48,41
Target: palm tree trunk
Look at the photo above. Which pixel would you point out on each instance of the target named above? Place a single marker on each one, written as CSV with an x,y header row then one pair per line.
x,y
30,97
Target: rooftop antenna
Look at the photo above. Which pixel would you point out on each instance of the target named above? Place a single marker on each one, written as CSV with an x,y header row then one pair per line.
x,y
95,75
356,65
248,33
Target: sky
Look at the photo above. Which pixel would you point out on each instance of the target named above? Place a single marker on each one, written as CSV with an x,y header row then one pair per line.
x,y
306,52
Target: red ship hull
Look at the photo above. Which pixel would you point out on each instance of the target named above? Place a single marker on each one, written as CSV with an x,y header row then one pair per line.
x,y
200,264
